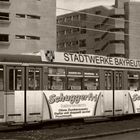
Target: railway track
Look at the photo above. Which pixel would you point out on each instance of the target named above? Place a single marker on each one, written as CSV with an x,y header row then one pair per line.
x,y
77,129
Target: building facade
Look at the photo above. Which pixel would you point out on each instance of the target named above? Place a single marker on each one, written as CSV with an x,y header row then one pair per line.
x,y
27,25
102,30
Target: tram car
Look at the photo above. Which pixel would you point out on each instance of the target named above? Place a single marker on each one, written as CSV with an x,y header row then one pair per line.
x,y
61,85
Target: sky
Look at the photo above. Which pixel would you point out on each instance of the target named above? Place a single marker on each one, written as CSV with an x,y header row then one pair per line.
x,y
80,4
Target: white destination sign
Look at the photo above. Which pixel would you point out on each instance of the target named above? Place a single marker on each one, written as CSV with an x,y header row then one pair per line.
x,y
86,59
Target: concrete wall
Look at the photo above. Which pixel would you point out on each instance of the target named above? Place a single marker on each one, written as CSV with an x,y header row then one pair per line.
x,y
44,28
133,29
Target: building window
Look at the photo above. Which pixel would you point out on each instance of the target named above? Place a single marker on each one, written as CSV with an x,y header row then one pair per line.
x,y
116,41
69,31
4,16
76,17
83,52
68,18
83,30
83,17
75,30
20,15
1,78
98,12
82,43
63,32
117,16
68,44
74,43
5,0
117,30
4,37
19,36
32,37
97,39
97,51
33,17
97,26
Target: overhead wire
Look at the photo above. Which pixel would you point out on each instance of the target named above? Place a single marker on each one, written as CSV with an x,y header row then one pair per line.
x,y
91,14
93,29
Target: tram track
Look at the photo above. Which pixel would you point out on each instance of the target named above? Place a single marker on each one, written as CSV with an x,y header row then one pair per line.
x,y
78,129
91,136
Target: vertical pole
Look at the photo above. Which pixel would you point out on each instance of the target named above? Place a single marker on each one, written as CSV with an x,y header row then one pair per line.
x,y
113,84
25,101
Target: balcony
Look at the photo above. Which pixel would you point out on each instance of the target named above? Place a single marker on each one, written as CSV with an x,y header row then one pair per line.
x,y
5,2
4,40
5,21
4,43
4,18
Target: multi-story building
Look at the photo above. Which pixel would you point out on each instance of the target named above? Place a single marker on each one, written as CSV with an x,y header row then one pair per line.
x,y
111,31
27,25
78,34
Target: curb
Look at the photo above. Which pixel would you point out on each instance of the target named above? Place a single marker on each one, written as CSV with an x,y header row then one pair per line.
x,y
101,135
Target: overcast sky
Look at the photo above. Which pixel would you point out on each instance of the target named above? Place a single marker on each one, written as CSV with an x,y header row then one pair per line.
x,y
80,4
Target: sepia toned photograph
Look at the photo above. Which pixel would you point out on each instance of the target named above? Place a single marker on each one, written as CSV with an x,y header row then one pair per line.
x,y
69,69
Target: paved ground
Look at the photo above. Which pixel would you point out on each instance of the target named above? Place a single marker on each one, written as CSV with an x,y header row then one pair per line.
x,y
66,131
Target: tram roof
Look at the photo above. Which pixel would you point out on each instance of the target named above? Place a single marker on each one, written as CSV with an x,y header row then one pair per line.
x,y
22,58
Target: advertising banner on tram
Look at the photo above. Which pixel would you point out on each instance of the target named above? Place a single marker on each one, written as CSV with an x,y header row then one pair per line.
x,y
135,96
71,104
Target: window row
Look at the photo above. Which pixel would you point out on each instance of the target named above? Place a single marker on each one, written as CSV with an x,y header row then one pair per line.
x,y
5,0
66,79
81,30
27,37
80,43
73,79
28,16
5,37
71,18
5,16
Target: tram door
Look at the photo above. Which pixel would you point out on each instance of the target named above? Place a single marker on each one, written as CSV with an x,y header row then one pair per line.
x,y
113,98
34,99
15,94
2,116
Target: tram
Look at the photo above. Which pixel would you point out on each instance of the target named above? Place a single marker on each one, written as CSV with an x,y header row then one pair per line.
x,y
60,85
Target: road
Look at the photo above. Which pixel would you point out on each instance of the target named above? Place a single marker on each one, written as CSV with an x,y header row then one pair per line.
x,y
125,136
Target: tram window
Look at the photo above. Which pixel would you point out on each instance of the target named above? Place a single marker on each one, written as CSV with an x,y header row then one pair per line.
x,y
91,83
74,83
75,78
1,78
18,79
11,79
118,80
37,79
133,80
91,80
56,78
56,71
15,79
56,83
34,79
107,80
31,79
